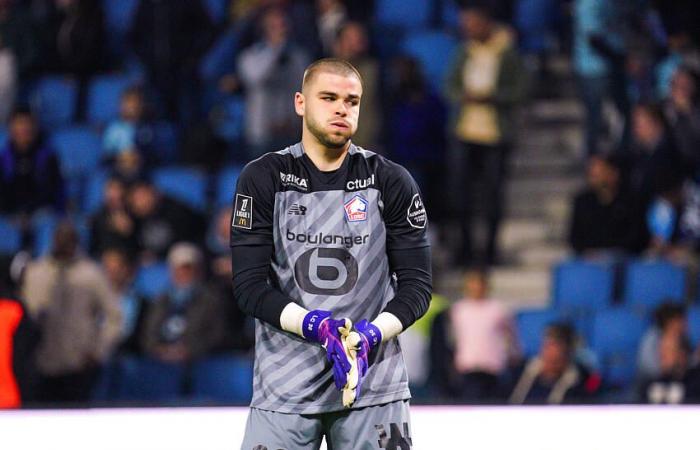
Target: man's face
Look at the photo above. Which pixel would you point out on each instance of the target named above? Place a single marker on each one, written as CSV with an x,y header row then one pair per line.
x,y
117,269
23,132
646,130
330,106
132,107
143,200
475,24
353,41
184,275
554,356
601,175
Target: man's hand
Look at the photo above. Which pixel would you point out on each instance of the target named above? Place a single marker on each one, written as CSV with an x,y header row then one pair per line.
x,y
359,343
318,326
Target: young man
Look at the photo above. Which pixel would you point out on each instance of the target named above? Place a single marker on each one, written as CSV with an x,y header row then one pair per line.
x,y
325,233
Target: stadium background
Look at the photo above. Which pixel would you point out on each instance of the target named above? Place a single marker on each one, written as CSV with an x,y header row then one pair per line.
x,y
70,62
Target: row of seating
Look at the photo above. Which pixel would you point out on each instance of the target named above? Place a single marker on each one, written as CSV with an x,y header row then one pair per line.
x,y
219,379
612,334
190,186
582,286
610,304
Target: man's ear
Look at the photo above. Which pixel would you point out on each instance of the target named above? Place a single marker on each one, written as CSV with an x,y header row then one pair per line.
x,y
299,104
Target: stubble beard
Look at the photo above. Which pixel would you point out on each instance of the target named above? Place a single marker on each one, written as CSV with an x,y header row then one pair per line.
x,y
329,140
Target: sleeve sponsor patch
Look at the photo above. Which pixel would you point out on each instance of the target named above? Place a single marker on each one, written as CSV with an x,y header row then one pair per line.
x,y
416,214
243,212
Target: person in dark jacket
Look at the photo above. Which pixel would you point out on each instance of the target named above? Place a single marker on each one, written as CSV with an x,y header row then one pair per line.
x,y
30,178
170,37
605,216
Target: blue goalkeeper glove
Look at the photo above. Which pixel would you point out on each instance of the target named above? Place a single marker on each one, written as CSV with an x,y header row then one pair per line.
x,y
318,326
359,343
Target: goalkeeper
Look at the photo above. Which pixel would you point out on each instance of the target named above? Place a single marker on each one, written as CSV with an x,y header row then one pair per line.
x,y
325,235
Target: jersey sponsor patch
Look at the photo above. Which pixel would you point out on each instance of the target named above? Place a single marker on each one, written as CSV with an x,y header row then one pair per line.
x,y
243,212
356,209
416,214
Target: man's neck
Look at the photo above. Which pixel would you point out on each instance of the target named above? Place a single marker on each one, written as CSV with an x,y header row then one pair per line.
x,y
325,159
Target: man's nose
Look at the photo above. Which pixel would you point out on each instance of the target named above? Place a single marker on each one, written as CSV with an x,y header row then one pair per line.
x,y
341,110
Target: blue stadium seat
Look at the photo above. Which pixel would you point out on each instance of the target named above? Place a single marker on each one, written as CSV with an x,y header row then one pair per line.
x,y
184,184
226,185
78,149
433,49
152,280
403,13
530,326
615,339
148,380
119,15
535,21
104,95
650,283
94,192
11,240
220,58
450,14
694,325
583,286
217,10
230,118
165,141
226,379
53,100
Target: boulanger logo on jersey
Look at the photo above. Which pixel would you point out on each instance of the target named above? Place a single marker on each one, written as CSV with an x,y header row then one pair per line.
x,y
326,271
356,209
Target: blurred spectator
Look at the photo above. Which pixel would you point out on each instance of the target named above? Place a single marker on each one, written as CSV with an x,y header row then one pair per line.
x,y
554,377
269,72
669,319
665,214
682,110
331,16
599,62
474,343
606,218
188,321
682,52
654,150
120,267
77,43
170,37
352,44
78,315
241,326
485,83
161,221
18,339
676,382
8,81
19,34
30,178
112,226
127,142
416,133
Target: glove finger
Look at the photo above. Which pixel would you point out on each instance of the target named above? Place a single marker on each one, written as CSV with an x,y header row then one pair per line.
x,y
340,376
343,358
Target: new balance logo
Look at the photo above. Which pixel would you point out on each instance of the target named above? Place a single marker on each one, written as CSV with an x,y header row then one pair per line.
x,y
396,441
297,210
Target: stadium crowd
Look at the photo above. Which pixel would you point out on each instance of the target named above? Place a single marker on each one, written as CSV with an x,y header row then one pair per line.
x,y
127,122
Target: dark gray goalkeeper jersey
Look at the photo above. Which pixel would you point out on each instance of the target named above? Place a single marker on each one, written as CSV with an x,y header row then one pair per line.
x,y
331,232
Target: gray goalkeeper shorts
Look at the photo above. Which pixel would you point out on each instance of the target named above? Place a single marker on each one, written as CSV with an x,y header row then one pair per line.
x,y
385,426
